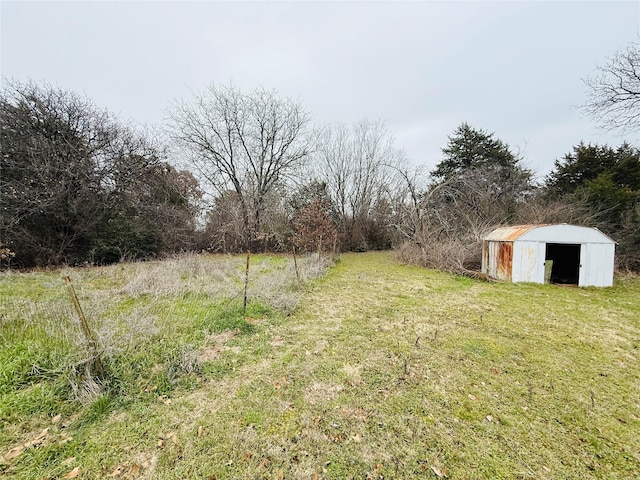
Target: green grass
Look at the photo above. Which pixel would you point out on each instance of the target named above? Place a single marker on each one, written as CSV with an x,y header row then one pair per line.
x,y
382,371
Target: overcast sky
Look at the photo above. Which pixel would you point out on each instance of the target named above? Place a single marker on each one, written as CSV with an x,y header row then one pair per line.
x,y
512,68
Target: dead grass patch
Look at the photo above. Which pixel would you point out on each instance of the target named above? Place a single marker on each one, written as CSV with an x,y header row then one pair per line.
x,y
322,392
215,344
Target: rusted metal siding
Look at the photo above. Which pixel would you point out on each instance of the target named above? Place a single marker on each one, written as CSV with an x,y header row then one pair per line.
x,y
509,234
485,257
505,259
499,256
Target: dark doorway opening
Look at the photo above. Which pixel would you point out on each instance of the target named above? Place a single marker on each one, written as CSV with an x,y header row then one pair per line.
x,y
564,260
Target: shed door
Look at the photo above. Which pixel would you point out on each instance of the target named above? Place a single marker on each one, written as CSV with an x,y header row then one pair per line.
x,y
565,262
526,262
597,262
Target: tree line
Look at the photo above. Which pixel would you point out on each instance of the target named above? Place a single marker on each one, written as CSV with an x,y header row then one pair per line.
x,y
237,170
78,186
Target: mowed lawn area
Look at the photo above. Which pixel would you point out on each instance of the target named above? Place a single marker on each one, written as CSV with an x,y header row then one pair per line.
x,y
374,370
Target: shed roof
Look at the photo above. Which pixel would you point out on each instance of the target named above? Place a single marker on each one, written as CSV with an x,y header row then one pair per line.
x,y
509,234
553,233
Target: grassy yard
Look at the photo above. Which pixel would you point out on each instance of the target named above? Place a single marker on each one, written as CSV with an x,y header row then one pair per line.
x,y
375,370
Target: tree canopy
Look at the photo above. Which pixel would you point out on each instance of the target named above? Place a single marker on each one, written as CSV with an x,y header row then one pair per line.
x,y
77,186
469,148
245,142
588,162
482,171
605,183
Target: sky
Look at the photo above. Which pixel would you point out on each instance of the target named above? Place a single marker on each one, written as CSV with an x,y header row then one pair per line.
x,y
514,69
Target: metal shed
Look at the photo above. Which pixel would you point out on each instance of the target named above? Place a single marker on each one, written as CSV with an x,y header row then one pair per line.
x,y
564,254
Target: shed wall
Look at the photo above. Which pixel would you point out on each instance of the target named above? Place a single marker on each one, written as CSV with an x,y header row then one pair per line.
x,y
499,259
528,263
596,265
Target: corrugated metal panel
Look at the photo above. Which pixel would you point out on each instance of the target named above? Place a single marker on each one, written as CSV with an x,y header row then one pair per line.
x,y
551,233
505,259
596,265
526,262
499,258
509,234
485,257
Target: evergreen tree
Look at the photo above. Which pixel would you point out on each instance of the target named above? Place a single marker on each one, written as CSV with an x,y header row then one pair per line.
x,y
469,148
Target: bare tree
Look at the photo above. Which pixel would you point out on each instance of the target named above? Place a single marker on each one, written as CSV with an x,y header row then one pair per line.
x,y
410,220
444,223
246,143
614,93
355,165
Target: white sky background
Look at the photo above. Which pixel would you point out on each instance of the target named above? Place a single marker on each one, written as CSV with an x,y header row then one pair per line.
x,y
512,68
